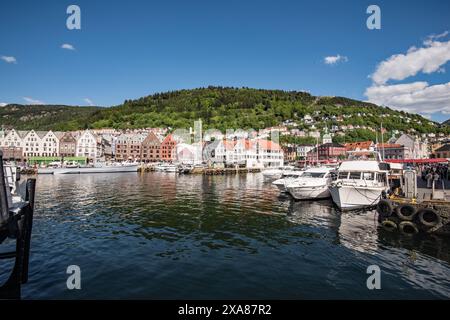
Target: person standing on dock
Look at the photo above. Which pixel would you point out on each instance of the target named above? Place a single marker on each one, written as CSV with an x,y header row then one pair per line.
x,y
429,178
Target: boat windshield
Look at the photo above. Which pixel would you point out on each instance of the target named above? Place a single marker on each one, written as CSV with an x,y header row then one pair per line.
x,y
313,175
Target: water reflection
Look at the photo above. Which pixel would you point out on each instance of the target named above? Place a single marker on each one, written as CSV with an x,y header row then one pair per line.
x,y
167,227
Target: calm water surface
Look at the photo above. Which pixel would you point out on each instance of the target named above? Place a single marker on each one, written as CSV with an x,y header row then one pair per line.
x,y
161,236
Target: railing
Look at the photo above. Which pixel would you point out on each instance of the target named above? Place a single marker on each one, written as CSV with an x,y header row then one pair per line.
x,y
16,223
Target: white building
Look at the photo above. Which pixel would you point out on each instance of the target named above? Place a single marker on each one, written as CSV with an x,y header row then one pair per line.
x,y
302,151
88,146
308,119
12,138
40,143
327,138
189,153
416,148
251,153
50,144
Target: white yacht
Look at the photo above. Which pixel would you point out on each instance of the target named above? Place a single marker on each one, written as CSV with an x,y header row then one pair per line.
x,y
166,167
312,184
271,174
359,184
286,178
96,168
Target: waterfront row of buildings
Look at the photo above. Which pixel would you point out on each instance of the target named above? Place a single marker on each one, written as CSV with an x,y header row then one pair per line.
x,y
404,147
144,146
155,144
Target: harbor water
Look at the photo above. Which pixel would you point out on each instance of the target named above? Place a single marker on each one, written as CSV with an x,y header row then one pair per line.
x,y
166,236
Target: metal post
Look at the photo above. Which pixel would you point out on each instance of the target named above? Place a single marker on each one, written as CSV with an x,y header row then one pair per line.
x,y
28,227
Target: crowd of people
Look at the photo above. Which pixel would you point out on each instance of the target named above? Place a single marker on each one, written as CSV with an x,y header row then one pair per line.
x,y
433,172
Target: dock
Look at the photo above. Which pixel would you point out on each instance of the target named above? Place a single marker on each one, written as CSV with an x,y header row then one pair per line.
x,y
428,212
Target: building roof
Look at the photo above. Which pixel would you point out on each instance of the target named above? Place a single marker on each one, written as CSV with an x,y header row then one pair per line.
x,y
229,144
445,147
152,138
360,145
389,146
332,144
168,138
268,145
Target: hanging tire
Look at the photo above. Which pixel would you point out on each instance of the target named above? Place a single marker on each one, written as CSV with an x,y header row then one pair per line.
x,y
389,225
408,228
384,208
406,212
429,217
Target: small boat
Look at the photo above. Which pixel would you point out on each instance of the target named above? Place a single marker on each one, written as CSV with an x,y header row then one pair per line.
x,y
287,177
166,167
312,184
184,169
72,164
272,174
360,184
97,168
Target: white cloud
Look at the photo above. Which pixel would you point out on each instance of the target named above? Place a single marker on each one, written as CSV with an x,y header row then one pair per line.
x,y
433,37
67,46
2,104
418,97
427,59
32,101
89,101
335,59
9,59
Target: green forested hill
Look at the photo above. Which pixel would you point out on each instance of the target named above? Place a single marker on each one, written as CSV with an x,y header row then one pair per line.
x,y
46,117
220,108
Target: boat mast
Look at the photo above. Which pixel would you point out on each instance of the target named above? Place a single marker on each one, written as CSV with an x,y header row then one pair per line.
x,y
317,151
382,142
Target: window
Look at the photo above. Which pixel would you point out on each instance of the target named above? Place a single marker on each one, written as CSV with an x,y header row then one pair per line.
x,y
343,175
368,176
313,175
381,177
355,175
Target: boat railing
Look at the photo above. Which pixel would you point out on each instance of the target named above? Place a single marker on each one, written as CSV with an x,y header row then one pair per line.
x,y
16,223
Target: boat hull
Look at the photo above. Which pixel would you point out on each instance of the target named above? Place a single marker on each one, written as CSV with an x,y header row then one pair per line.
x,y
84,170
272,176
281,187
352,197
309,193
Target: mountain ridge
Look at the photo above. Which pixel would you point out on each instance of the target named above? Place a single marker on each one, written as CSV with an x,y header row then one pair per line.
x,y
219,108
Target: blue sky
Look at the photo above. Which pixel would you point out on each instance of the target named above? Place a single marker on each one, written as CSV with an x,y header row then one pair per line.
x,y
129,49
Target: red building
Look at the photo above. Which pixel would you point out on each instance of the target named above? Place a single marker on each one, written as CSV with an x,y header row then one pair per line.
x,y
168,148
327,152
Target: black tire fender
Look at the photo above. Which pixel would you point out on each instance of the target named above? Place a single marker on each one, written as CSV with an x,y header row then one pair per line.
x,y
389,225
384,208
429,217
406,212
408,228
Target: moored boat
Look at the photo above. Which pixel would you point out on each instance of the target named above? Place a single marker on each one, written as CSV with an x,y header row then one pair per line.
x,y
312,184
166,167
360,184
287,177
271,174
97,168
